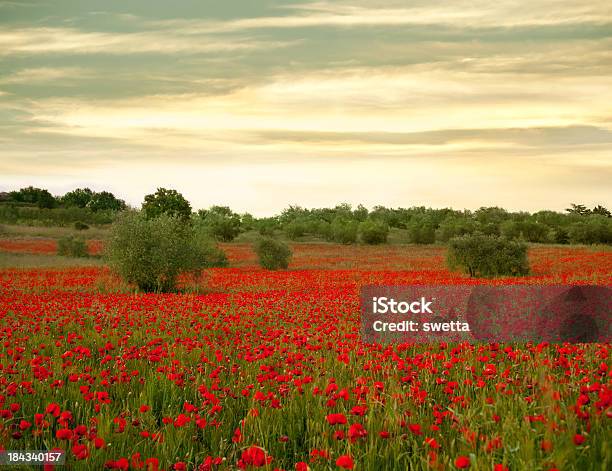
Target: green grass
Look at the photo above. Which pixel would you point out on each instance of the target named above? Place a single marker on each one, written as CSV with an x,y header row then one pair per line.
x,y
16,231
20,260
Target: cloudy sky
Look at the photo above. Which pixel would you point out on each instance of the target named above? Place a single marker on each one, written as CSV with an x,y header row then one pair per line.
x,y
264,103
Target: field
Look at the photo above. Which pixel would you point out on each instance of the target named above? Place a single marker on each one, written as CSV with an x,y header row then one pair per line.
x,y
247,368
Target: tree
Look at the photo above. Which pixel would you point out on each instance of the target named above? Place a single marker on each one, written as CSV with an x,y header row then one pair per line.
x,y
579,209
168,202
481,255
344,231
361,213
105,201
151,253
222,223
273,254
421,230
31,195
373,232
77,198
591,230
601,211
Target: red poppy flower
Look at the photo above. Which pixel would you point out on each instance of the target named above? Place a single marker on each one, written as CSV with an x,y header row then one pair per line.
x,y
345,462
462,462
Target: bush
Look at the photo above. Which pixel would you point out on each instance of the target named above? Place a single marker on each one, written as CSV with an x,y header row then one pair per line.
x,y
373,232
344,232
481,255
295,229
454,226
71,246
62,217
207,251
151,253
221,222
530,231
594,230
80,226
421,232
273,254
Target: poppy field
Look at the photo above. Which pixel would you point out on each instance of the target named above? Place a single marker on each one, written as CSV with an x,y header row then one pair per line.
x,y
252,369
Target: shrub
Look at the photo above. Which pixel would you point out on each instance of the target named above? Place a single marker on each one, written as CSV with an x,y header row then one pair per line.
x,y
454,226
481,255
373,232
77,198
344,232
295,229
221,222
530,231
594,230
151,253
273,254
421,232
212,255
80,226
71,246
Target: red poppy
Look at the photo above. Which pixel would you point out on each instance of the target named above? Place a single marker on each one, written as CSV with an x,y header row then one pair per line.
x,y
345,462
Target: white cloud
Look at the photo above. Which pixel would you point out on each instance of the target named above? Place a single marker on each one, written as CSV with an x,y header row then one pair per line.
x,y
48,40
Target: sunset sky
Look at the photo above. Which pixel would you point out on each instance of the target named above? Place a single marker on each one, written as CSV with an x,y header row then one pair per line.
x,y
258,104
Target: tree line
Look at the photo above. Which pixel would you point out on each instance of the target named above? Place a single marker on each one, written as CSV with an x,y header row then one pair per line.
x,y
341,224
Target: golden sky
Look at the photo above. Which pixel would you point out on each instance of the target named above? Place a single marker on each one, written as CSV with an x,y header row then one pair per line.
x,y
262,104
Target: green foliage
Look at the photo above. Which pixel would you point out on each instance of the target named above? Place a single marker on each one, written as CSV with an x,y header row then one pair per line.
x,y
272,253
592,230
105,201
78,198
62,217
168,202
71,246
266,227
212,255
601,211
531,231
35,196
481,255
295,229
151,253
80,226
454,226
373,232
221,222
344,231
421,231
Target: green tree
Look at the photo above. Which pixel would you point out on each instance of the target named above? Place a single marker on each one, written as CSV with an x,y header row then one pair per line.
x,y
272,253
222,223
373,232
168,202
601,211
579,209
77,198
31,195
151,253
105,201
344,231
481,255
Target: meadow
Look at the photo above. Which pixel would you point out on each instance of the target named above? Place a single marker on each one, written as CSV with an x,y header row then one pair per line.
x,y
247,368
